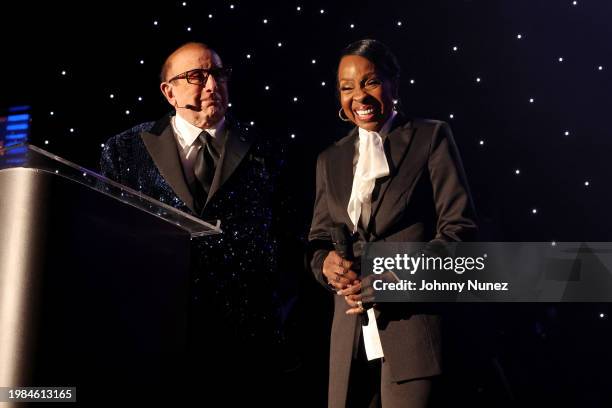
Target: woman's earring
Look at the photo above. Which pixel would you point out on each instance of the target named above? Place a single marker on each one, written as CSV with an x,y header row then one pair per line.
x,y
343,118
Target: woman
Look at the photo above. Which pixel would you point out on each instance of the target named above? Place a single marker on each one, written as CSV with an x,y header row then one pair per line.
x,y
391,179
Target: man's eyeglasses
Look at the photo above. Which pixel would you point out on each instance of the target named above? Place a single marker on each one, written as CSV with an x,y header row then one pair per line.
x,y
199,76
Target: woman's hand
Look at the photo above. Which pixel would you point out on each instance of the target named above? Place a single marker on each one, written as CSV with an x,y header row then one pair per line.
x,y
359,295
353,298
337,271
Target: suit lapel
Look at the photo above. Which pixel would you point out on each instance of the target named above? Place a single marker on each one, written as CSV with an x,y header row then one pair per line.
x,y
396,145
161,145
237,145
340,173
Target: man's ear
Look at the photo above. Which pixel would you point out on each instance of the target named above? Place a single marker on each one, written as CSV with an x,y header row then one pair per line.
x,y
166,89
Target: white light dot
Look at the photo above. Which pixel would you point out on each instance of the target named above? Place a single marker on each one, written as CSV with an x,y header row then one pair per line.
x,y
127,112
293,135
517,171
399,23
46,142
567,133
248,56
534,211
63,72
141,62
265,21
600,68
412,81
295,99
155,23
452,116
252,123
232,6
267,88
352,26
112,96
229,104
280,44
477,79
140,99
586,183
71,130
322,11
84,174
560,59
531,100
210,16
101,144
298,8
481,142
323,83
455,48
553,243
574,2
51,113
314,61
188,28
519,36
602,315
184,3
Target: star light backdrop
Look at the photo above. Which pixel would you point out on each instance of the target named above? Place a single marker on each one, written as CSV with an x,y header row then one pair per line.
x,y
525,86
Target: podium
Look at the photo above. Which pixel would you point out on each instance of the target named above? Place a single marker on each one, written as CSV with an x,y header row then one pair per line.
x,y
95,278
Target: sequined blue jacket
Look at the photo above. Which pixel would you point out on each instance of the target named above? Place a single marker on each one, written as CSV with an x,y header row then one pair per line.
x,y
235,274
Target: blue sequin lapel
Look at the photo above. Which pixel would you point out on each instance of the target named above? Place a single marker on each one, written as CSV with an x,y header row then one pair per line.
x,y
161,145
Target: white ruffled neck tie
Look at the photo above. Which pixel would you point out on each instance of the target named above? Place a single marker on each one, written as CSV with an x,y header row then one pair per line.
x,y
372,164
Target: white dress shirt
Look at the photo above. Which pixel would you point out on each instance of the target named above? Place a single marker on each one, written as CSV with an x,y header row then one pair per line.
x,y
369,163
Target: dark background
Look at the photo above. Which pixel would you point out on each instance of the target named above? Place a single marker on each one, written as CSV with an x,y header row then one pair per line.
x,y
525,353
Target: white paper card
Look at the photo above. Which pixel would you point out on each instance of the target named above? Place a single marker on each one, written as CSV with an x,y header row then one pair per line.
x,y
371,338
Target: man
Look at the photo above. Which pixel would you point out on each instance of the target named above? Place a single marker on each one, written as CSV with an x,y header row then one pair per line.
x,y
202,162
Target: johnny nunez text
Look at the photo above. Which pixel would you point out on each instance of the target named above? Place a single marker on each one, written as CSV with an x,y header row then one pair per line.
x,y
470,285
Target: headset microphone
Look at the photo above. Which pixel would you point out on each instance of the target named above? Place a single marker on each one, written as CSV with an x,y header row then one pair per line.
x,y
188,106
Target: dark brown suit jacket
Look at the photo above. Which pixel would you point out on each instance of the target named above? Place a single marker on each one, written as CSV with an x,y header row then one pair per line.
x,y
424,198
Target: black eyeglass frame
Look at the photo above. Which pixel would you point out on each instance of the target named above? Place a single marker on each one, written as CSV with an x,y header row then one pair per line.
x,y
221,74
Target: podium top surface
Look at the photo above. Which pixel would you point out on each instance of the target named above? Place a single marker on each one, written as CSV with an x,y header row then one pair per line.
x,y
32,157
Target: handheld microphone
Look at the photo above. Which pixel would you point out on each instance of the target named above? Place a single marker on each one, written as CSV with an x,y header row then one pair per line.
x,y
343,245
342,241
